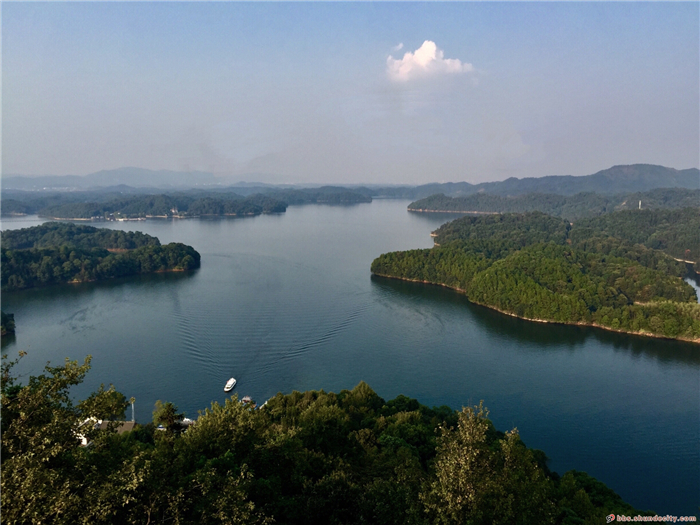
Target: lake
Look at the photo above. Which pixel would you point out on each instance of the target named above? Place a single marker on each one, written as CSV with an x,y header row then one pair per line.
x,y
286,302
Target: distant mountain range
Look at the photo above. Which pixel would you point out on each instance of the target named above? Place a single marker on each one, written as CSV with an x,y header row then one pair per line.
x,y
133,177
618,179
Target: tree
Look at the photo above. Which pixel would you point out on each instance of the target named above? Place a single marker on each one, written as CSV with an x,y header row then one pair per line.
x,y
42,474
166,414
481,479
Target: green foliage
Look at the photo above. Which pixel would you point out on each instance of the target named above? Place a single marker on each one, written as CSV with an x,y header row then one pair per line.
x,y
45,472
306,457
513,230
8,323
166,206
166,414
45,266
52,234
540,267
672,231
323,195
484,479
101,204
572,207
15,207
82,255
253,205
671,198
583,499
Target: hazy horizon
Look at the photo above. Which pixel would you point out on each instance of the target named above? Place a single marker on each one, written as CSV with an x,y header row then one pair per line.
x,y
269,179
349,93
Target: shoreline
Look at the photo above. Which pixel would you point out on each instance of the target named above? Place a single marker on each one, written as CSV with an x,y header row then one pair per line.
x,y
75,281
426,210
591,325
171,270
133,219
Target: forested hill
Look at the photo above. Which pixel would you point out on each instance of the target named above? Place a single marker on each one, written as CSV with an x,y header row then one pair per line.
x,y
58,253
306,457
674,232
573,207
543,268
52,234
617,179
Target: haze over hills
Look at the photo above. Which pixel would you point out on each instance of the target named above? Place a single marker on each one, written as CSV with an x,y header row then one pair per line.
x,y
635,177
617,179
128,176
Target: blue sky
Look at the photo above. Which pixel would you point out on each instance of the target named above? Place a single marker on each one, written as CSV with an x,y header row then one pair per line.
x,y
349,92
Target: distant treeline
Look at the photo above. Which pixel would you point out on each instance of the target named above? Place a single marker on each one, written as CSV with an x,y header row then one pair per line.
x,y
322,195
195,203
542,268
166,206
57,253
617,179
306,457
581,205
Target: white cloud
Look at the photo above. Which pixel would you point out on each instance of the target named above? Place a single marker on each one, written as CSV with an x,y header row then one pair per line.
x,y
398,47
427,60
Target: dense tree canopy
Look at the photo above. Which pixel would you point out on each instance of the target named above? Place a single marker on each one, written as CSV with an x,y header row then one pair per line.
x,y
571,207
542,268
167,206
323,195
100,204
306,457
57,253
8,323
676,232
51,234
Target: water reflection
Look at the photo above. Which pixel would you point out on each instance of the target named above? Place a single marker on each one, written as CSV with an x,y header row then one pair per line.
x,y
63,291
8,340
542,335
437,216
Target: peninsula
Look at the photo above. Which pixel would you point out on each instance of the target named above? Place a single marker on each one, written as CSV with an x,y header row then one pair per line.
x,y
610,272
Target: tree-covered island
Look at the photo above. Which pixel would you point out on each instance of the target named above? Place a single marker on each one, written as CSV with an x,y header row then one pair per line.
x,y
608,272
54,253
165,206
306,457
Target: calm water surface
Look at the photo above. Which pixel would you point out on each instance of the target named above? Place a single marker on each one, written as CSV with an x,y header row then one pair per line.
x,y
286,302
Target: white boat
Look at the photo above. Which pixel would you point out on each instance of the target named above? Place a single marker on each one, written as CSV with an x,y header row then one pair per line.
x,y
229,385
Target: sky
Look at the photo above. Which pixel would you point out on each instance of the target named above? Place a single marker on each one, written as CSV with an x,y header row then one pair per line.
x,y
389,92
